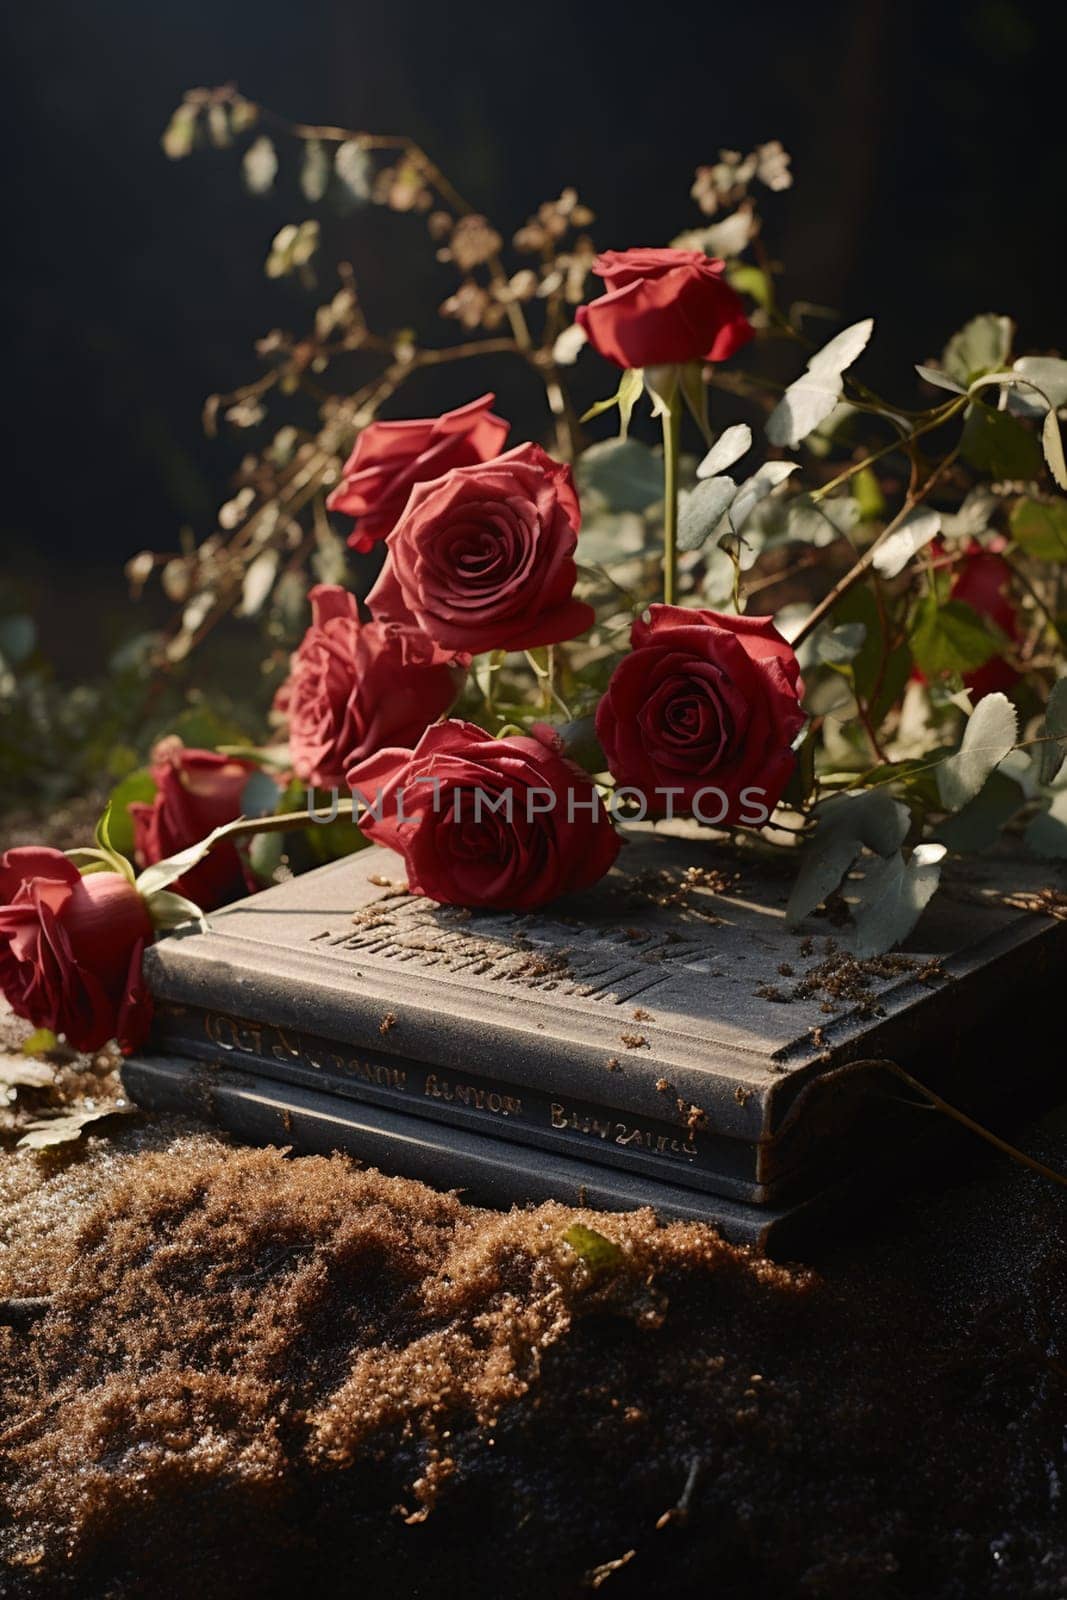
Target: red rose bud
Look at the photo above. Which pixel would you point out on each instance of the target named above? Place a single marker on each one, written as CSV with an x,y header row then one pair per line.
x,y
71,947
664,307
196,792
983,581
703,702
357,686
483,558
479,821
390,458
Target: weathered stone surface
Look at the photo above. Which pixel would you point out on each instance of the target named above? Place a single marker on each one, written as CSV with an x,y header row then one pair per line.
x,y
668,1024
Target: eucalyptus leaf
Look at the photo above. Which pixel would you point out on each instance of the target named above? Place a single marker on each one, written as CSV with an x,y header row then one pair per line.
x,y
913,535
729,447
844,826
762,483
624,471
990,734
978,826
1047,834
702,510
169,911
939,379
1048,375
810,400
259,797
981,345
892,897
1051,756
355,170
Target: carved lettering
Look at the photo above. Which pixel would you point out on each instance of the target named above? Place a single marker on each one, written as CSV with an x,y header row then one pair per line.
x,y
632,1135
469,1094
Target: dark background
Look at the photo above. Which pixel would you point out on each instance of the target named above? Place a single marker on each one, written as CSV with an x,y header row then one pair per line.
x,y
927,144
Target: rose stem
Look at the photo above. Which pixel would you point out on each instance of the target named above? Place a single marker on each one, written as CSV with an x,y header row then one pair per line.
x,y
672,429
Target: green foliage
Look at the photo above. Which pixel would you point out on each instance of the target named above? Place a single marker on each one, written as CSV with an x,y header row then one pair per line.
x,y
982,346
990,734
599,1253
1040,528
949,637
995,442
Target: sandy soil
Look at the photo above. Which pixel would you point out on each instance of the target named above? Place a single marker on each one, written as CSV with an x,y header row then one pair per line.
x,y
258,1373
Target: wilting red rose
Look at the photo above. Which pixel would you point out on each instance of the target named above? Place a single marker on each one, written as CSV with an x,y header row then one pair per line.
x,y
664,307
983,581
71,947
486,822
483,558
390,458
357,686
196,791
703,702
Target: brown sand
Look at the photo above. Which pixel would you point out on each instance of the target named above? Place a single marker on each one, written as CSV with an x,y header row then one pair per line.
x,y
262,1373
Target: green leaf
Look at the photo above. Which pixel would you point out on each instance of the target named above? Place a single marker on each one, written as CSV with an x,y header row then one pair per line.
x,y
1047,834
845,825
892,897
753,281
1051,756
1048,375
138,788
981,346
624,471
997,443
265,854
259,797
913,535
599,1253
810,400
702,509
868,495
729,447
949,638
878,673
161,874
169,911
1052,445
940,380
990,734
978,826
1040,528
625,397
41,1042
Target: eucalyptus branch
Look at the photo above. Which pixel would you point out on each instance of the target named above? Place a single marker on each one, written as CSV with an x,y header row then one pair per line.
x,y
914,498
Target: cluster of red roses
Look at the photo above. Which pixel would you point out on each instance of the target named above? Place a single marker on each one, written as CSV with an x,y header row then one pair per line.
x,y
480,556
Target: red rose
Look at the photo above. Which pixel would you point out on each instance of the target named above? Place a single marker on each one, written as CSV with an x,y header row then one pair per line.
x,y
356,686
483,559
390,458
983,580
664,307
486,822
196,791
71,947
703,703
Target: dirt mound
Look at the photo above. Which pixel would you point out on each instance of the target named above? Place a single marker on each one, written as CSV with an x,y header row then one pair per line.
x,y
260,1372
